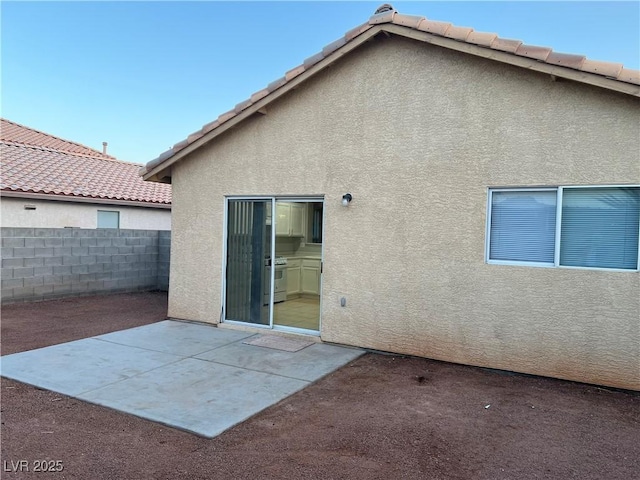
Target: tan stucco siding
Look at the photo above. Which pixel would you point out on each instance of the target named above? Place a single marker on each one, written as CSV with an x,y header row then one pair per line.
x,y
60,214
418,134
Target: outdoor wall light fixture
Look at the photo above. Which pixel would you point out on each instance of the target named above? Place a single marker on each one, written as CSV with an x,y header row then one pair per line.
x,y
346,199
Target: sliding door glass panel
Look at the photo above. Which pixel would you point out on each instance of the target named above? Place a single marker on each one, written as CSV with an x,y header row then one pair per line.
x,y
297,264
248,257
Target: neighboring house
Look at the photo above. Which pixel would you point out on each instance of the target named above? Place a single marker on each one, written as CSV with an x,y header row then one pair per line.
x,y
433,191
48,182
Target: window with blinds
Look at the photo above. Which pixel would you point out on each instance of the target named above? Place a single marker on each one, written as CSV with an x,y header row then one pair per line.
x,y
523,226
599,227
588,227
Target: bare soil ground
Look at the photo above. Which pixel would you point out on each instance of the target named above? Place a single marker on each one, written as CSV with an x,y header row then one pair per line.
x,y
380,417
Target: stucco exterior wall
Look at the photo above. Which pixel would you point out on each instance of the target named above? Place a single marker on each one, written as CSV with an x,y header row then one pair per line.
x,y
57,214
417,134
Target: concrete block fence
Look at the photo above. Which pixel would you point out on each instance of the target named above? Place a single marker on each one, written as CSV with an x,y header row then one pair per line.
x,y
44,263
164,257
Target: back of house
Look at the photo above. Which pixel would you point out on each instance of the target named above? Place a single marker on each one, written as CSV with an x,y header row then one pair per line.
x,y
424,189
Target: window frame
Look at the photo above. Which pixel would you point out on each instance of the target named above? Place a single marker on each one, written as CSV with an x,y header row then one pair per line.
x,y
107,211
556,257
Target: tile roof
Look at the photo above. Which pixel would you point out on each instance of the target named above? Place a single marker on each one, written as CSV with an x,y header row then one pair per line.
x,y
36,162
16,133
388,19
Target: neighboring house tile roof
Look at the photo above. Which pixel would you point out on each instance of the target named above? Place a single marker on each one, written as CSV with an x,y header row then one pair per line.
x,y
575,67
39,163
19,134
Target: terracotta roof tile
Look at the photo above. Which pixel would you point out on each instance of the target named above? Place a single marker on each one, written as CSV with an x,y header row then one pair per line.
x,y
354,32
242,105
437,28
607,69
386,14
566,60
532,51
458,33
36,162
411,21
382,17
166,154
181,144
195,136
506,45
481,38
628,75
294,72
259,95
276,84
226,116
210,126
312,60
333,46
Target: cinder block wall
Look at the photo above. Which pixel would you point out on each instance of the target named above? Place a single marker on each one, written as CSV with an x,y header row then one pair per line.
x,y
45,263
164,256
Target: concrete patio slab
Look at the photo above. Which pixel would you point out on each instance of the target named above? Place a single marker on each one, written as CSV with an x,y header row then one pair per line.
x,y
196,395
81,366
190,376
307,364
178,338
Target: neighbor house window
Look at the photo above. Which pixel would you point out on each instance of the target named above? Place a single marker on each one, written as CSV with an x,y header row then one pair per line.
x,y
108,219
590,227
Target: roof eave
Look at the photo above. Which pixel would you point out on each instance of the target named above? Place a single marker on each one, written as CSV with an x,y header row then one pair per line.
x,y
519,61
78,199
163,176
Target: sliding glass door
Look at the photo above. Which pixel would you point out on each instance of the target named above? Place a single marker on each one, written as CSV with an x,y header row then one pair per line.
x,y
274,263
248,259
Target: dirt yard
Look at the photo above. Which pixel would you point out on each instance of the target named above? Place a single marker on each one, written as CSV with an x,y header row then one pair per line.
x,y
380,417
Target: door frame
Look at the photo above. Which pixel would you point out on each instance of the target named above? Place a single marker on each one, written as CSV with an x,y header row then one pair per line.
x,y
223,294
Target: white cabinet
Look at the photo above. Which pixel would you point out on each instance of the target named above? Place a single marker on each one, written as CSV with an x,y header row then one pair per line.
x,y
303,276
311,276
293,276
289,219
297,220
282,219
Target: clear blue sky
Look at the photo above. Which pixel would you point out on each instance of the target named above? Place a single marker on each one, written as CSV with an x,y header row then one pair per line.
x,y
142,76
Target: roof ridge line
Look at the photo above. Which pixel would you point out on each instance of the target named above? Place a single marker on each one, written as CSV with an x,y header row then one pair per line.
x,y
98,152
108,158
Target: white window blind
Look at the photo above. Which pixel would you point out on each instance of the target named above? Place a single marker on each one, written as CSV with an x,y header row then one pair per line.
x,y
523,225
599,227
